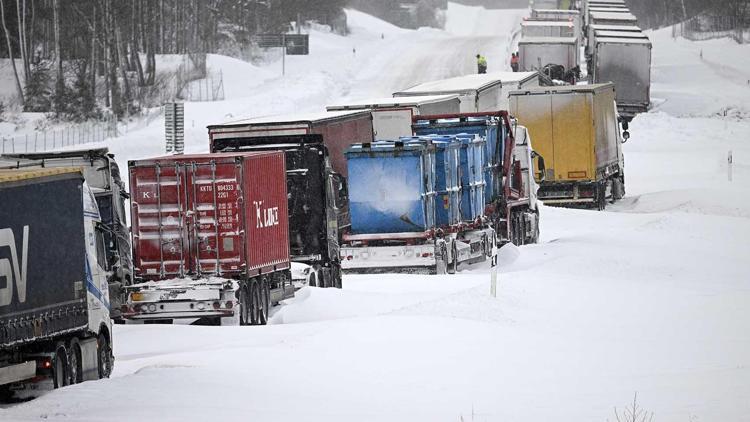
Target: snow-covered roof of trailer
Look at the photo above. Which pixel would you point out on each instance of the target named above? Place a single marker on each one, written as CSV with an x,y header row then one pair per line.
x,y
556,11
614,16
605,2
392,102
293,118
609,9
613,40
619,34
547,40
468,82
624,28
558,89
548,23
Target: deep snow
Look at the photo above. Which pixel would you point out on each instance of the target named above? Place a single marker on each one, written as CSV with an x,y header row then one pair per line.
x,y
652,295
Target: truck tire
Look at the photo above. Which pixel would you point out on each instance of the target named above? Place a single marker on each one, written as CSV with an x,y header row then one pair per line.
x,y
312,281
75,362
244,300
255,303
337,275
104,356
453,267
601,196
60,368
263,301
618,188
441,259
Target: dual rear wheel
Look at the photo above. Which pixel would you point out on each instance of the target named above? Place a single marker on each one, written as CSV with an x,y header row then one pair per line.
x,y
255,302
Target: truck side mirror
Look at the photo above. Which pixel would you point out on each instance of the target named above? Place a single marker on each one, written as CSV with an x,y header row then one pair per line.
x,y
540,165
625,136
625,125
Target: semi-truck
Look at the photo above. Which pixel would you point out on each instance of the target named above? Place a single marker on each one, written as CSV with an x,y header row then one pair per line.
x,y
103,178
624,60
55,321
391,117
576,130
436,221
416,205
318,198
478,93
210,238
338,129
536,52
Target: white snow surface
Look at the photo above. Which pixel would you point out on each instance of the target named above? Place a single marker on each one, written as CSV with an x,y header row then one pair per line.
x,y
651,296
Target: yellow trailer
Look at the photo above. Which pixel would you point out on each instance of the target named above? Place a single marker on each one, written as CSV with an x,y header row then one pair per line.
x,y
575,129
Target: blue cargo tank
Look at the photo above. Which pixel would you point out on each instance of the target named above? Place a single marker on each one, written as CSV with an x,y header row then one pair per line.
x,y
489,128
471,160
392,186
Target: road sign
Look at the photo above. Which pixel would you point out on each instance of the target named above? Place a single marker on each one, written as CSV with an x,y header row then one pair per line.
x,y
297,44
174,127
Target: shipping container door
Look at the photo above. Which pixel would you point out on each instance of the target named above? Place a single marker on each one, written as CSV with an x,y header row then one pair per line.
x,y
158,206
215,234
572,134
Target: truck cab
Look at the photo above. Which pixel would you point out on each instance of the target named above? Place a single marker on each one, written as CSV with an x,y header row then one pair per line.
x,y
318,200
102,175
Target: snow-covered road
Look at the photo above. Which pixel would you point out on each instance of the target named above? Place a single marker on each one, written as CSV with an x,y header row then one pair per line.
x,y
651,296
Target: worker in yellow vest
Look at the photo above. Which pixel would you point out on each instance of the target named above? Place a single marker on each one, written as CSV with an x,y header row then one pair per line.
x,y
481,64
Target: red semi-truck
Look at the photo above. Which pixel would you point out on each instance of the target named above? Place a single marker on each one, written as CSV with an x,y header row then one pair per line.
x,y
210,238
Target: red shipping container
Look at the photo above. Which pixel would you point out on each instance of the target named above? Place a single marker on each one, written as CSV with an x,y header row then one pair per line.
x,y
339,129
209,214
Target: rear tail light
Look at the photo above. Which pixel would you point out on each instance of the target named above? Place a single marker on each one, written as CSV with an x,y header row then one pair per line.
x,y
229,304
217,305
349,257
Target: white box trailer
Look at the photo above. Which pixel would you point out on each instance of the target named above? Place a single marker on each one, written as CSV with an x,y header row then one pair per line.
x,y
609,18
392,117
548,28
537,52
601,3
544,4
627,63
478,93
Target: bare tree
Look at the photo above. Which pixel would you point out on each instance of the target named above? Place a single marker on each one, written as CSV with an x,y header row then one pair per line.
x,y
10,53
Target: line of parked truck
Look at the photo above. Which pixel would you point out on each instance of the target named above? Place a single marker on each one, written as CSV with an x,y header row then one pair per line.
x,y
428,180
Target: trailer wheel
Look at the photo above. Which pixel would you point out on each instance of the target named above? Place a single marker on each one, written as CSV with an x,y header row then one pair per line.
x,y
441,259
263,301
601,200
337,277
60,368
6,394
104,356
312,281
75,361
244,306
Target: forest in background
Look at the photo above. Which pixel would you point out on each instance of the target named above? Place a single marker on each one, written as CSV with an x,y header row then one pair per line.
x,y
660,13
77,57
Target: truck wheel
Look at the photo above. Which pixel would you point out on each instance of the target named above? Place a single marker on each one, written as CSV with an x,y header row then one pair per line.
x,y
255,303
60,368
337,277
244,305
75,362
441,259
312,281
453,267
6,394
104,356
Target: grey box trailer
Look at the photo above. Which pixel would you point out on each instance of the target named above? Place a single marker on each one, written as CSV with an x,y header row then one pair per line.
x,y
609,18
560,15
392,117
609,27
627,63
536,52
601,3
548,28
478,93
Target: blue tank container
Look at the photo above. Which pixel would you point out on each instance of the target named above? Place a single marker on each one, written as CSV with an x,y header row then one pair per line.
x,y
472,166
392,186
494,135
